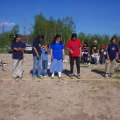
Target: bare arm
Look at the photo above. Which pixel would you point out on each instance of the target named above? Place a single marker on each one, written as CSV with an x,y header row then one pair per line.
x,y
70,50
93,52
107,55
36,52
98,52
51,51
63,53
80,52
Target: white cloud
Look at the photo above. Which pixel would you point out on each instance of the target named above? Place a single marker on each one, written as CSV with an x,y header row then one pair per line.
x,y
117,24
7,24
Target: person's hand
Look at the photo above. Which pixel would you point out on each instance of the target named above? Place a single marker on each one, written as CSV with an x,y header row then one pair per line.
x,y
80,56
71,51
37,55
108,57
51,57
19,49
116,58
63,57
22,51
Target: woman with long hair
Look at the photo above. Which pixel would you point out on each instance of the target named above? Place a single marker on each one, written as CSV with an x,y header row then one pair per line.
x,y
112,56
57,56
18,50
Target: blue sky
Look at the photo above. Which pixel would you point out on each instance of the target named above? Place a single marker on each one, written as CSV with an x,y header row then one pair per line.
x,y
90,16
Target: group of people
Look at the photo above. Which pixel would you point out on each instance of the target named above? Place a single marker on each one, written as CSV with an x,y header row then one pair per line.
x,y
97,55
76,51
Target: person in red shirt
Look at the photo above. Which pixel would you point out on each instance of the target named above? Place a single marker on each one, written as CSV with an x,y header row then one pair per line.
x,y
74,48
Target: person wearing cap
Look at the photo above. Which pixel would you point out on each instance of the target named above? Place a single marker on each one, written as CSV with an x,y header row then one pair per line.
x,y
102,54
37,56
95,52
112,55
74,48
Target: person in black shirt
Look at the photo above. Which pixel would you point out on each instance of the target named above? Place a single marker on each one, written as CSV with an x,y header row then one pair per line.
x,y
85,50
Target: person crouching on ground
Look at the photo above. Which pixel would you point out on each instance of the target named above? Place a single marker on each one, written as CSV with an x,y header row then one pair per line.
x,y
37,56
57,56
45,52
95,52
74,48
18,49
112,55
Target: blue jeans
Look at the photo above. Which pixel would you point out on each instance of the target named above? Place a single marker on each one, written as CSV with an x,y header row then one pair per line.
x,y
37,62
102,58
44,67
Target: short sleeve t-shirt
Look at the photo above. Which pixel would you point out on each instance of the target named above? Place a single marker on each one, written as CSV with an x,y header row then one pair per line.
x,y
57,50
84,47
17,54
75,47
44,54
95,48
112,50
37,45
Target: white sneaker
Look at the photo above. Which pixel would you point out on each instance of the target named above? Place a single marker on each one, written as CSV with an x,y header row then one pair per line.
x,y
106,76
112,75
45,76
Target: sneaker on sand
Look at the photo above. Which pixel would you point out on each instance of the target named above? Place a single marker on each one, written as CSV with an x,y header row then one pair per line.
x,y
20,78
40,77
33,77
106,76
45,76
14,78
71,76
112,75
78,76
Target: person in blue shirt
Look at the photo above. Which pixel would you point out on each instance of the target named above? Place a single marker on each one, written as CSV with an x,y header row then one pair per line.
x,y
18,49
45,52
57,56
37,56
112,56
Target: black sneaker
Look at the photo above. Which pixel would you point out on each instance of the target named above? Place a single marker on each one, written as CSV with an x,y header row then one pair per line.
x,y
72,76
78,76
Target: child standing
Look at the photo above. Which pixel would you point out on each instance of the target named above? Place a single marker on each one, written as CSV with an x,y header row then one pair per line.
x,y
57,56
102,55
112,56
18,49
45,51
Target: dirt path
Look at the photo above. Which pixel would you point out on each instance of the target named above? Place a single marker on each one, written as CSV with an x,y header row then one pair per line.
x,y
53,100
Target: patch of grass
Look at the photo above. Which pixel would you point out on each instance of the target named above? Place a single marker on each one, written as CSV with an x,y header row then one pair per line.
x,y
117,71
84,66
117,77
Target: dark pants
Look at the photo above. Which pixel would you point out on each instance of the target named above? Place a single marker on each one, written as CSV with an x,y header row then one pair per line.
x,y
102,58
85,57
44,67
77,59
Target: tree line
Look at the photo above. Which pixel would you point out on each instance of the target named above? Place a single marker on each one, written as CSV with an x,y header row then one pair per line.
x,y
49,28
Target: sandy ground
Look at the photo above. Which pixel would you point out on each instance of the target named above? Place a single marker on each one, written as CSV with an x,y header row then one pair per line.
x,y
58,100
